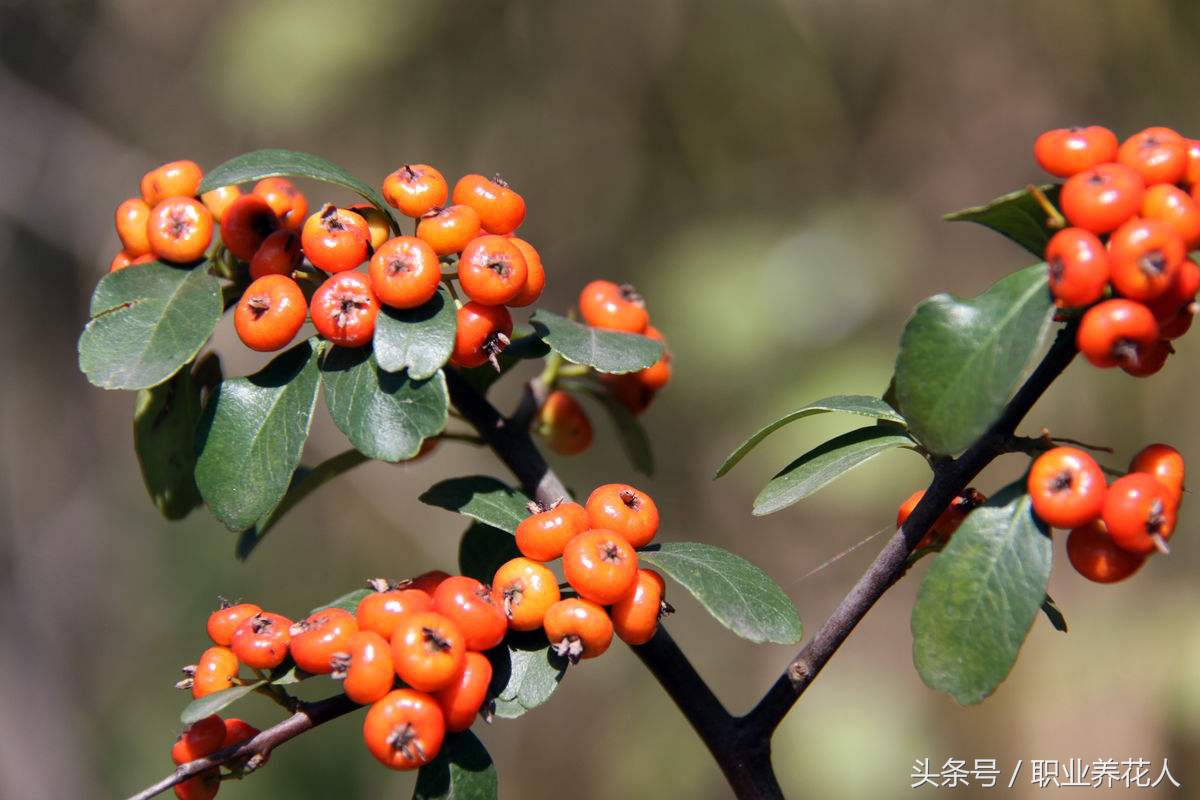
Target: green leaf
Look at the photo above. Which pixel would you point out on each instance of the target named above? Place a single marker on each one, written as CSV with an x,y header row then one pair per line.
x,y
525,672
605,351
164,436
386,415
251,435
349,601
980,597
483,549
960,360
824,464
630,433
212,703
259,164
419,340
482,498
860,404
1017,215
1054,614
738,594
463,770
148,320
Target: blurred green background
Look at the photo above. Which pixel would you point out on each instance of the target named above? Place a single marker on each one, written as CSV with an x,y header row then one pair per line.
x,y
770,174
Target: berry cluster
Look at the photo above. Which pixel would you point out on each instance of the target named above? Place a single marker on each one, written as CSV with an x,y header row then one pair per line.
x,y
166,222
606,305
1125,256
1114,529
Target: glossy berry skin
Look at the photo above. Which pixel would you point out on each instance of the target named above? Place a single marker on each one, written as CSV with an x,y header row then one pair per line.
x,y
270,313
344,309
336,239
288,202
482,334
578,628
1175,207
1116,333
1095,556
179,230
428,581
382,611
202,738
365,668
564,424
377,223
657,375
1139,513
1159,155
524,589
261,642
448,230
215,671
405,272
535,274
604,304
1068,151
404,729
469,604
132,220
280,254
1179,296
427,650
220,199
238,731
1150,359
600,565
628,512
122,260
635,616
1078,267
1162,462
245,225
1102,198
491,270
202,787
543,535
173,179
415,190
319,636
500,209
462,699
1146,255
1192,175
1178,325
1067,487
225,620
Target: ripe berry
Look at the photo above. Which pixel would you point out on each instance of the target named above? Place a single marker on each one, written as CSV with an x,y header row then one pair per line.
x,y
604,304
448,230
377,223
629,391
218,200
657,375
524,588
635,616
405,272
180,229
1067,151
1158,154
245,225
404,729
215,671
1179,296
427,650
1067,487
1116,333
1192,176
365,668
415,190
1164,463
344,309
600,565
202,738
271,311
122,260
628,512
492,270
288,202
202,787
317,638
947,523
564,424
238,731
1178,325
1078,266
535,277
133,218
1139,513
1095,555
224,621
462,699
469,604
1150,360
1146,254
261,642
501,210
1175,207
279,254
380,612
578,629
428,582
543,535
336,240
1102,198
482,334
173,179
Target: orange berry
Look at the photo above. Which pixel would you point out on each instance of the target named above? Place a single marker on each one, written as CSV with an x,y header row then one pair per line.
x,y
336,240
604,304
245,225
280,254
578,629
535,277
220,199
448,230
289,203
543,535
600,565
635,616
404,729
344,309
180,230
501,210
524,589
173,179
462,699
628,511
415,190
270,313
564,424
133,226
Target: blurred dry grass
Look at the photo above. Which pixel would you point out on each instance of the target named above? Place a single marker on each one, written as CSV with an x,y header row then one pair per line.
x,y
771,174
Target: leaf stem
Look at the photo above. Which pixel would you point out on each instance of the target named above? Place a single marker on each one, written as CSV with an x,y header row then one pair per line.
x,y
1054,218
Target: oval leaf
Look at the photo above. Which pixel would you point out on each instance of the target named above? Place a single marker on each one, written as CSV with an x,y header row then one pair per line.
x,y
824,464
385,415
483,549
164,437
605,351
463,770
251,435
738,594
960,360
482,498
148,320
630,432
1018,215
212,703
417,339
860,404
525,672
980,598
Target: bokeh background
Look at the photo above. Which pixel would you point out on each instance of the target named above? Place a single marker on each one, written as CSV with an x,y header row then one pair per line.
x,y
770,174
